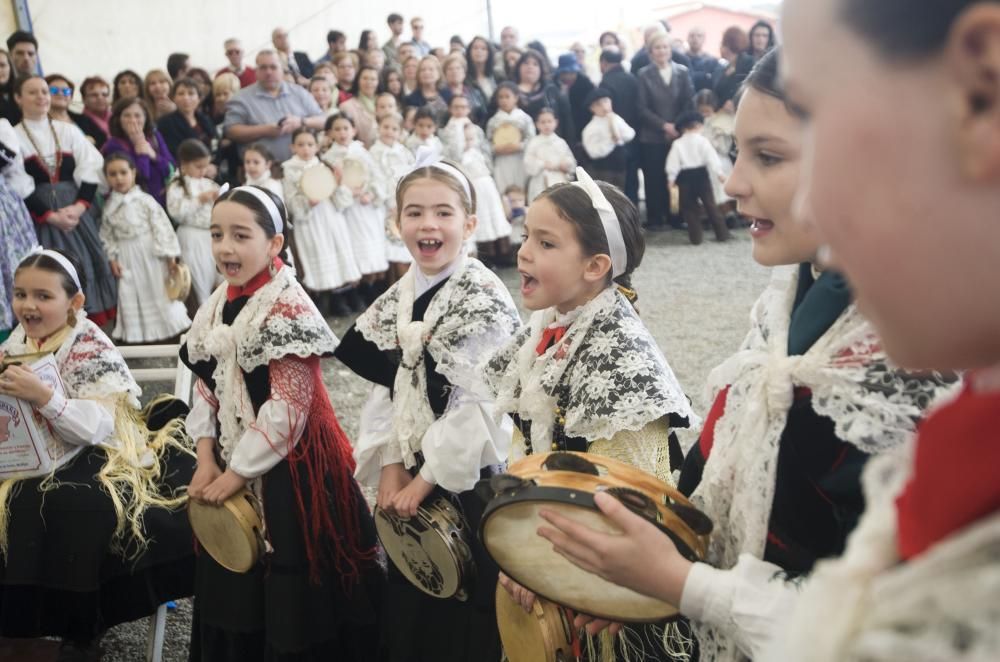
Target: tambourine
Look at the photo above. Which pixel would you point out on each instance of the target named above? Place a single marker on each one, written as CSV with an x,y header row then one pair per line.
x,y
318,182
566,483
230,533
178,284
544,635
355,174
507,135
432,549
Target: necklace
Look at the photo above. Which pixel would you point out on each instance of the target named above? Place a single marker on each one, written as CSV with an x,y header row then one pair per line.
x,y
53,177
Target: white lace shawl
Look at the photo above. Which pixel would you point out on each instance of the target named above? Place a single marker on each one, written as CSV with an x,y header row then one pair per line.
x,y
873,404
867,605
278,320
468,318
609,367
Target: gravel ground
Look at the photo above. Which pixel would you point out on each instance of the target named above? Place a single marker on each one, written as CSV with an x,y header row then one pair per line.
x,y
694,299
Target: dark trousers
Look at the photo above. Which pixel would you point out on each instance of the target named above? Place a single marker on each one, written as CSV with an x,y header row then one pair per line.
x,y
610,169
653,159
695,191
632,171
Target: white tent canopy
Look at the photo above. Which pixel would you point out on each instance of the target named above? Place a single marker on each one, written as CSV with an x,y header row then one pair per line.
x,y
79,38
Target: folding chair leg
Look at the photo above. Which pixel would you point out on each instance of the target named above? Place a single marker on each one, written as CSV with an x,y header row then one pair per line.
x,y
157,629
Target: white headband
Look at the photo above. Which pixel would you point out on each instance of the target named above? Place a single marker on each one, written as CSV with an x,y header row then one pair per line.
x,y
430,157
265,200
63,262
609,219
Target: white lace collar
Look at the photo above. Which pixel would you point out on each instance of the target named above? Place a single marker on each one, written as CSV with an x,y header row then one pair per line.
x,y
872,403
422,282
468,318
116,199
605,376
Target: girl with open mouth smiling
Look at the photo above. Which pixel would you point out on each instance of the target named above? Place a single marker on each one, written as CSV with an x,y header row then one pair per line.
x,y
436,432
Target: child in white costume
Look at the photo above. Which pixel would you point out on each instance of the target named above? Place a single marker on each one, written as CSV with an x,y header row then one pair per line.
x,y
143,250
548,159
189,202
322,242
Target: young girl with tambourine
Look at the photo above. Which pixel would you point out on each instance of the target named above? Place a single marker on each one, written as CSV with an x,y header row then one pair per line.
x,y
585,374
428,432
263,423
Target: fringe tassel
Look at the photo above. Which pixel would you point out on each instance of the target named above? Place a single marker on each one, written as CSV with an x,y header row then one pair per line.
x,y
633,645
131,486
326,457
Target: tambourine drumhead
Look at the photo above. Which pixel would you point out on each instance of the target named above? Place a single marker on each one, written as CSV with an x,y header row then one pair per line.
x,y
528,559
229,533
355,174
178,284
318,182
544,635
506,135
426,554
566,482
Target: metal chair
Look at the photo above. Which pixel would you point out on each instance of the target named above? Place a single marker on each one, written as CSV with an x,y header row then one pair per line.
x,y
182,379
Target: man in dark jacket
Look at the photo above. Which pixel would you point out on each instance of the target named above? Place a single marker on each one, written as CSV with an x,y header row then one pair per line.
x,y
577,86
624,90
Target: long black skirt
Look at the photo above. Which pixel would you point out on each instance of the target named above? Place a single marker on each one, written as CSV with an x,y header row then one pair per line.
x,y
60,576
421,628
274,613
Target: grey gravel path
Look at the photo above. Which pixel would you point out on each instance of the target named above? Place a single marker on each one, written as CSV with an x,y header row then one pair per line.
x,y
695,299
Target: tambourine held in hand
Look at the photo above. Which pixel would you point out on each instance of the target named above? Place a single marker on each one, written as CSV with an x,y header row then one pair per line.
x,y
543,635
431,549
230,533
566,483
318,182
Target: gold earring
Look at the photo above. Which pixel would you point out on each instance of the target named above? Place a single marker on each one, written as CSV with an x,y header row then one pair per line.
x,y
71,318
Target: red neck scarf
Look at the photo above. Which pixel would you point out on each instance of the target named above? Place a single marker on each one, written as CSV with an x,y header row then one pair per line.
x,y
954,481
550,336
234,292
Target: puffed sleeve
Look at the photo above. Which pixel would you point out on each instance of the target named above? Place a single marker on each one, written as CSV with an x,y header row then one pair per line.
x,y
201,420
375,448
78,421
12,162
534,161
295,200
89,171
165,242
108,238
280,421
464,440
181,206
749,602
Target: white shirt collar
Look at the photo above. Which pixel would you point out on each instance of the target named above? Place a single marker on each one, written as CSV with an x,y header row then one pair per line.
x,y
422,282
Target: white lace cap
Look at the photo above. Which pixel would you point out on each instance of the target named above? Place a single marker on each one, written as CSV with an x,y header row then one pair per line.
x,y
63,262
429,157
609,219
265,200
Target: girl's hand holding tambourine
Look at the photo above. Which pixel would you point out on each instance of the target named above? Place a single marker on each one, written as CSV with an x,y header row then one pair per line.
x,y
641,558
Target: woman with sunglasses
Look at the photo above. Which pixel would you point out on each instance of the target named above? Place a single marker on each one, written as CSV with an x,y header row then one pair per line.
x,y
61,92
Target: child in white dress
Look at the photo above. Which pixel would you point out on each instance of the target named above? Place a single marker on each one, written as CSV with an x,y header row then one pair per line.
x,y
508,162
356,198
393,161
424,130
189,202
323,248
465,143
257,164
143,250
548,159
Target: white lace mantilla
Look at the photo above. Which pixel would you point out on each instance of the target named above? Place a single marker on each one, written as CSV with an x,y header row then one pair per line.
x,y
874,406
468,318
869,606
608,369
278,320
